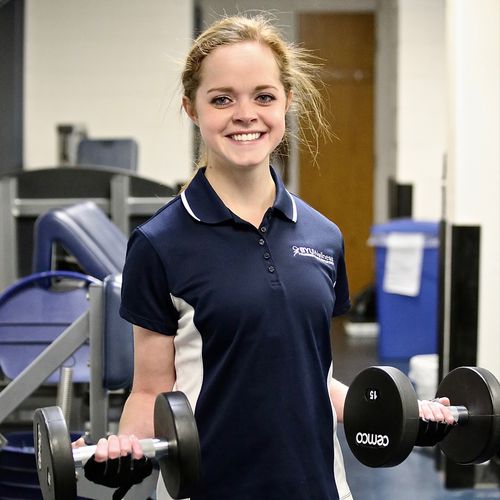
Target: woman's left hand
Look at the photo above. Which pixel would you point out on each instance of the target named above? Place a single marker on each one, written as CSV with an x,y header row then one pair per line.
x,y
436,410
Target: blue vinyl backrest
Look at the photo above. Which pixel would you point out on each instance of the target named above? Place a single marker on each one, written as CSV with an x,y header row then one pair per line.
x,y
33,316
118,341
122,153
85,232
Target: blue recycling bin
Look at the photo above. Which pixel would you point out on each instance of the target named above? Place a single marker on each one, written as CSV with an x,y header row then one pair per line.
x,y
408,325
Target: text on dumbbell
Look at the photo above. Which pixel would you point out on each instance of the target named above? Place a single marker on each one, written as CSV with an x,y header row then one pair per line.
x,y
373,440
372,394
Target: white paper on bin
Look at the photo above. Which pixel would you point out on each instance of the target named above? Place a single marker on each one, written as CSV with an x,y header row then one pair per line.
x,y
403,263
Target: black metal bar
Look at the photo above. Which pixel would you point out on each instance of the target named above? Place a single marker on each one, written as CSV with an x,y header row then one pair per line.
x,y
463,316
11,84
400,199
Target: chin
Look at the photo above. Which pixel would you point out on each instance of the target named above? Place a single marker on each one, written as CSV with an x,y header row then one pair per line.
x,y
254,162
250,165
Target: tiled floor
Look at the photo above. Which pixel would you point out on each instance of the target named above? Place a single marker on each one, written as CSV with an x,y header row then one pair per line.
x,y
416,478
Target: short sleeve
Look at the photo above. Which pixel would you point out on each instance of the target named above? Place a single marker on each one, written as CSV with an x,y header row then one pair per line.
x,y
145,297
342,301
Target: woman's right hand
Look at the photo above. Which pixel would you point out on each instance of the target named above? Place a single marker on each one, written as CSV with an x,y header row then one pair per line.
x,y
118,446
118,462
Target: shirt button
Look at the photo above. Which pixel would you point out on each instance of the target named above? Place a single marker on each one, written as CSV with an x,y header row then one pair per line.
x,y
267,255
271,269
261,241
263,229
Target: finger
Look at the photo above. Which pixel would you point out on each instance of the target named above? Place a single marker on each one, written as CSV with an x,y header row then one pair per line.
x,y
444,401
125,445
137,452
437,412
448,416
450,419
78,443
114,450
101,452
440,411
425,411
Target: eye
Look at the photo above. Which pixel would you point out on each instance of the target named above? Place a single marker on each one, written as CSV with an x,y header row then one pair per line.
x,y
265,98
221,101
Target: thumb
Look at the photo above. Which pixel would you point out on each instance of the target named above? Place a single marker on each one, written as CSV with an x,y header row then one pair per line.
x,y
78,443
444,401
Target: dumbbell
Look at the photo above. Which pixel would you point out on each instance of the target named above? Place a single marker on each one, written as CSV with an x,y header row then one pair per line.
x,y
382,424
176,447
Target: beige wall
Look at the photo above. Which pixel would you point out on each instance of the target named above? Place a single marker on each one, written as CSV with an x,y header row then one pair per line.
x,y
112,66
421,102
473,184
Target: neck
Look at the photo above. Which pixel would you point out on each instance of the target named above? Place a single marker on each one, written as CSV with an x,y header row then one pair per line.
x,y
247,193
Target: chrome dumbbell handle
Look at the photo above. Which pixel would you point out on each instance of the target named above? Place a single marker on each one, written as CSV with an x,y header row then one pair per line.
x,y
152,448
460,414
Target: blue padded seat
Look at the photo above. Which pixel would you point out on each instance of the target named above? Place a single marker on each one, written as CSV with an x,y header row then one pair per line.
x,y
32,317
44,328
85,232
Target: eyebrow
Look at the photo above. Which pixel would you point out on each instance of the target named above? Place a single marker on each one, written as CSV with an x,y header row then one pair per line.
x,y
231,89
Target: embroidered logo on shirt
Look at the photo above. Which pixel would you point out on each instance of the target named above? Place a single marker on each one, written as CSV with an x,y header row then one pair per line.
x,y
315,254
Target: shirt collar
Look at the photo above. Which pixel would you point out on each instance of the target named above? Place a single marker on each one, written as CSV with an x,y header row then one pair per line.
x,y
204,205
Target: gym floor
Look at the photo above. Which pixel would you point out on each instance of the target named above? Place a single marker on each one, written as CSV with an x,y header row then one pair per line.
x,y
417,477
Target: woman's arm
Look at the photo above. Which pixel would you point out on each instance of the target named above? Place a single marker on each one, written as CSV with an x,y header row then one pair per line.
x,y
154,372
338,392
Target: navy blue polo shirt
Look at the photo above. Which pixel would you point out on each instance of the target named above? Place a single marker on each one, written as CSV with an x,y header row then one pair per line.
x,y
250,309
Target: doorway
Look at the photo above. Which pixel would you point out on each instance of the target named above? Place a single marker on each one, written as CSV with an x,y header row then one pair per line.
x,y
341,185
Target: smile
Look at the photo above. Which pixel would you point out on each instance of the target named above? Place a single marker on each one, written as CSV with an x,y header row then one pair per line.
x,y
246,137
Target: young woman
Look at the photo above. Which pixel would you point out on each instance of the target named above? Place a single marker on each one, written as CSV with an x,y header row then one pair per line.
x,y
232,286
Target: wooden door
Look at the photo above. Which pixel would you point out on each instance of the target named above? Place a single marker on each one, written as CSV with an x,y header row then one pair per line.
x,y
341,186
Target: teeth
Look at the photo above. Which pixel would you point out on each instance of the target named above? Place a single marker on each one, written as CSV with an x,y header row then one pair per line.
x,y
246,137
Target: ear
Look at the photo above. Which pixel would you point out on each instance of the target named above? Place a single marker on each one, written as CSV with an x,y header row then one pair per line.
x,y
289,98
190,109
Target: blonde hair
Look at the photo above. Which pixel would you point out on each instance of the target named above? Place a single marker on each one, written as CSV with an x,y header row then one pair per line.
x,y
298,72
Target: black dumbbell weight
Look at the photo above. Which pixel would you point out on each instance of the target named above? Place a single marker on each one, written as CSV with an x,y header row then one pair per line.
x,y
382,424
478,439
176,448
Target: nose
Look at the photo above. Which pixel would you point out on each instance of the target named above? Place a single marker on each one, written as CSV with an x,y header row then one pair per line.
x,y
244,112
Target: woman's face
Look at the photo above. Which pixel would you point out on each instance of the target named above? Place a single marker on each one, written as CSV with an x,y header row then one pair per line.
x,y
240,106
